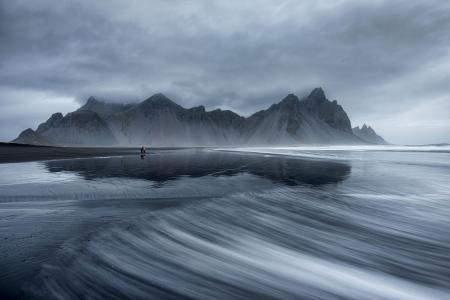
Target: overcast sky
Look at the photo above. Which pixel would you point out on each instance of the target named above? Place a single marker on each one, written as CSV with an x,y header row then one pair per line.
x,y
386,62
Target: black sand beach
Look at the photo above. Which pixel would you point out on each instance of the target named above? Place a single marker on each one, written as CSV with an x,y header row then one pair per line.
x,y
184,223
12,152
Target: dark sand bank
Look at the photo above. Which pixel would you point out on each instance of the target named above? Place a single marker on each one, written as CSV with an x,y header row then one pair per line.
x,y
11,152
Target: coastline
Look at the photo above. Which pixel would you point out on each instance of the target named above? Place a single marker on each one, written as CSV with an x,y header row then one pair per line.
x,y
13,153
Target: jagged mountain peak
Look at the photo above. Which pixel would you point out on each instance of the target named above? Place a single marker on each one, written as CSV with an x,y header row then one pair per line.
x,y
102,108
287,103
366,129
92,99
27,131
368,134
290,99
51,122
317,94
316,100
331,112
158,98
92,102
162,122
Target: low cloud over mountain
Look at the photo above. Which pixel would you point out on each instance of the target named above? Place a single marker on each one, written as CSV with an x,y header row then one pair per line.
x,y
158,121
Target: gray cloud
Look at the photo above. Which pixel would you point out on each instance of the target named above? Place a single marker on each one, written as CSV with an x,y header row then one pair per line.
x,y
382,60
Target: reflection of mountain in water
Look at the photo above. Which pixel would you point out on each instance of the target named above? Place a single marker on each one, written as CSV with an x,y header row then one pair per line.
x,y
161,168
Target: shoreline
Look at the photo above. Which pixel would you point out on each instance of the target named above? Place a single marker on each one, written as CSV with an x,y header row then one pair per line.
x,y
14,153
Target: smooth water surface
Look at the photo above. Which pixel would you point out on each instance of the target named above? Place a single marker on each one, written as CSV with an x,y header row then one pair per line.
x,y
259,223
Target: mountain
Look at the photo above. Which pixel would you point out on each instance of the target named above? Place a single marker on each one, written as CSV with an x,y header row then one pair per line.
x,y
79,128
31,137
158,121
313,120
103,109
369,135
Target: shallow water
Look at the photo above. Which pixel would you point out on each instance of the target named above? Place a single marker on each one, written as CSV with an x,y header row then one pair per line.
x,y
286,223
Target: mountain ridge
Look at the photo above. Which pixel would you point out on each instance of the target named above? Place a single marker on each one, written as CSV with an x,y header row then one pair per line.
x,y
368,134
29,136
159,121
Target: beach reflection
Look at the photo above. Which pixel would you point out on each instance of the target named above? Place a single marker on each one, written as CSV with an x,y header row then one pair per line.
x,y
166,167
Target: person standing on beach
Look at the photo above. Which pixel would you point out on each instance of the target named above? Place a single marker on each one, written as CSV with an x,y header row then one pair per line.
x,y
143,150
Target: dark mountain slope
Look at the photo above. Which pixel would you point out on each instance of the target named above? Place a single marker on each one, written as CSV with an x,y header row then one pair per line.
x,y
158,121
81,127
31,137
104,109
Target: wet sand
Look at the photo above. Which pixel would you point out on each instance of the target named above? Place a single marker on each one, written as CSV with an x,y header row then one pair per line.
x,y
11,152
206,224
